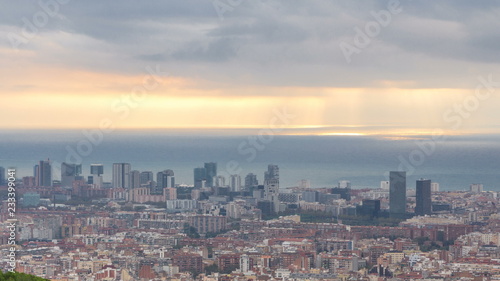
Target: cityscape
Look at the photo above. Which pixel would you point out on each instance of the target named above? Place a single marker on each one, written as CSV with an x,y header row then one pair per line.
x,y
144,226
261,140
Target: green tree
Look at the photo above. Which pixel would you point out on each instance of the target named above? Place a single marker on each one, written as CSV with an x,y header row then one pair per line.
x,y
16,276
191,231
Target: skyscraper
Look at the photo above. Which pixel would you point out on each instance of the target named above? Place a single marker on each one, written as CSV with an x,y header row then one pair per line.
x,y
43,173
272,186
235,183
96,169
344,184
146,177
69,172
251,180
397,194
121,175
273,172
200,177
220,181
424,201
476,188
164,179
211,169
135,179
96,172
434,187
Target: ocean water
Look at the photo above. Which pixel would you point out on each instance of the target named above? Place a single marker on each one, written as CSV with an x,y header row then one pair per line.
x,y
454,163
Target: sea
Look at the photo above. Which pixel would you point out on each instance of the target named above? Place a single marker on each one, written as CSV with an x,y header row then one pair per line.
x,y
454,162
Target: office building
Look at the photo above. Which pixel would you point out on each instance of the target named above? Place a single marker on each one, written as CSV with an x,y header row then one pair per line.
x,y
219,181
434,187
304,184
96,174
344,184
69,173
476,188
43,173
273,172
369,208
164,179
146,178
97,169
135,179
251,180
344,193
423,198
200,177
121,175
272,186
211,170
384,185
397,194
235,183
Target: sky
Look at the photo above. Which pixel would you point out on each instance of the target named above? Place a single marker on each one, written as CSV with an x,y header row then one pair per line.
x,y
303,67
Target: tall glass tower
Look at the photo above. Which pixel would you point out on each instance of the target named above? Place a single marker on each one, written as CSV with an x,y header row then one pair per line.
x,y
397,194
424,201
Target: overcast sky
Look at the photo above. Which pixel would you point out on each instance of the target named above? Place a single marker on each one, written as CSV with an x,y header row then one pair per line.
x,y
235,63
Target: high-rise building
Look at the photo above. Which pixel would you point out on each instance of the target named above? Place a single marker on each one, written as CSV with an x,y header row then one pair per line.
x,y
146,177
344,184
397,194
434,187
200,177
220,181
135,179
384,185
97,169
369,207
273,172
423,198
121,175
476,188
69,173
43,173
251,180
304,184
164,179
211,170
2,176
96,172
235,183
272,186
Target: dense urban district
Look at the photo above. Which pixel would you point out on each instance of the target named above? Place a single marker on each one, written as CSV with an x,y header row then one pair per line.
x,y
142,227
